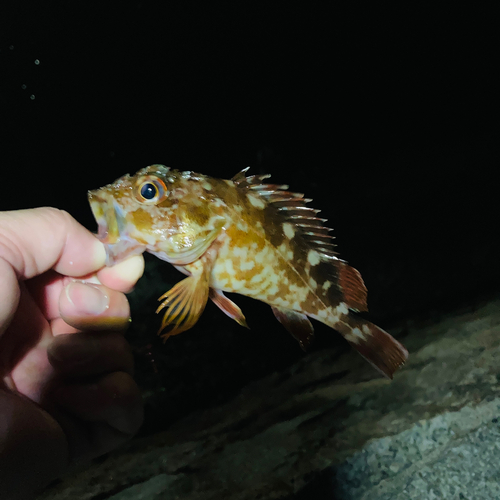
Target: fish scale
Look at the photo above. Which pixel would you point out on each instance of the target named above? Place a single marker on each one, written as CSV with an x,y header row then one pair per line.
x,y
242,235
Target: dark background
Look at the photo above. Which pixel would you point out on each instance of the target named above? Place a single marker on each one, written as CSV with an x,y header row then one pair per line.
x,y
387,117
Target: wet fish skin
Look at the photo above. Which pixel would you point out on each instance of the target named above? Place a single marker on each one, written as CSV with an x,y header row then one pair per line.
x,y
246,236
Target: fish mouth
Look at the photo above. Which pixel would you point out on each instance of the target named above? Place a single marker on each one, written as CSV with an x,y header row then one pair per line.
x,y
113,229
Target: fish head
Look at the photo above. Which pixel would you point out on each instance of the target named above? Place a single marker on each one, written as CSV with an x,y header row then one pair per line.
x,y
158,209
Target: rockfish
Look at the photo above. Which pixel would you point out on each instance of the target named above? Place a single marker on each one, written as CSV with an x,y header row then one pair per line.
x,y
245,236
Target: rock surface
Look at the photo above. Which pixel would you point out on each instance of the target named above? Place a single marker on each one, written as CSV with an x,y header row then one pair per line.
x,y
327,428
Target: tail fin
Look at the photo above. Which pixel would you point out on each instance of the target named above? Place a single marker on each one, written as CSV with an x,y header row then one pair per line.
x,y
379,348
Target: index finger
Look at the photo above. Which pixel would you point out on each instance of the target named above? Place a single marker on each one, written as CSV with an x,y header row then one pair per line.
x,y
36,240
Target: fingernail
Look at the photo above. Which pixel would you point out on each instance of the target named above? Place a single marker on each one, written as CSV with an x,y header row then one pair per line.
x,y
87,298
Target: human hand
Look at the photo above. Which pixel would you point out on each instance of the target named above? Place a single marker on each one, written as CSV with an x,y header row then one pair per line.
x,y
66,387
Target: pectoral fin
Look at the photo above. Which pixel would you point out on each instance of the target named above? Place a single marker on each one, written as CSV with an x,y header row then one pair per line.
x,y
297,324
184,302
227,306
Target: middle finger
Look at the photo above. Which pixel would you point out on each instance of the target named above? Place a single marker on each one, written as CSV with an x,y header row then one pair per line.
x,y
86,306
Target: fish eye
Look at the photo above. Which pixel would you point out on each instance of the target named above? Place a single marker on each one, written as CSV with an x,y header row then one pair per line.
x,y
150,190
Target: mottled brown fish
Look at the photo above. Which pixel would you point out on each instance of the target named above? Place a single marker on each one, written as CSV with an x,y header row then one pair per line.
x,y
245,236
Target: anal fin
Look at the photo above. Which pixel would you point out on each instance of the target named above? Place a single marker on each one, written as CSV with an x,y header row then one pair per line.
x,y
227,306
297,324
379,348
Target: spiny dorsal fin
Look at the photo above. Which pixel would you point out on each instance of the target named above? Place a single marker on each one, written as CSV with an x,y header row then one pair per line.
x,y
240,176
291,207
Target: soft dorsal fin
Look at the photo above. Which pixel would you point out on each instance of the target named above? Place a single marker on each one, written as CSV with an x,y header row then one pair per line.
x,y
353,287
291,207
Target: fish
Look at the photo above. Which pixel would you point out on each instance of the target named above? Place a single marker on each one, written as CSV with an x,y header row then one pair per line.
x,y
245,236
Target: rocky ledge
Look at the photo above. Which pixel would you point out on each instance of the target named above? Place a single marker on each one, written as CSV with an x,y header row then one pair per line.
x,y
327,428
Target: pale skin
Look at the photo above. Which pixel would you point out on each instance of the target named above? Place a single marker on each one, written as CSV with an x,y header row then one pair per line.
x,y
66,389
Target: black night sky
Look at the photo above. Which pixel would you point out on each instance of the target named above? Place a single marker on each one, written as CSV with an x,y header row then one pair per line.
x,y
386,117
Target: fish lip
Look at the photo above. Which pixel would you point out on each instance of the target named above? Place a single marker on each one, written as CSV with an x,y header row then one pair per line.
x,y
110,217
112,227
100,205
